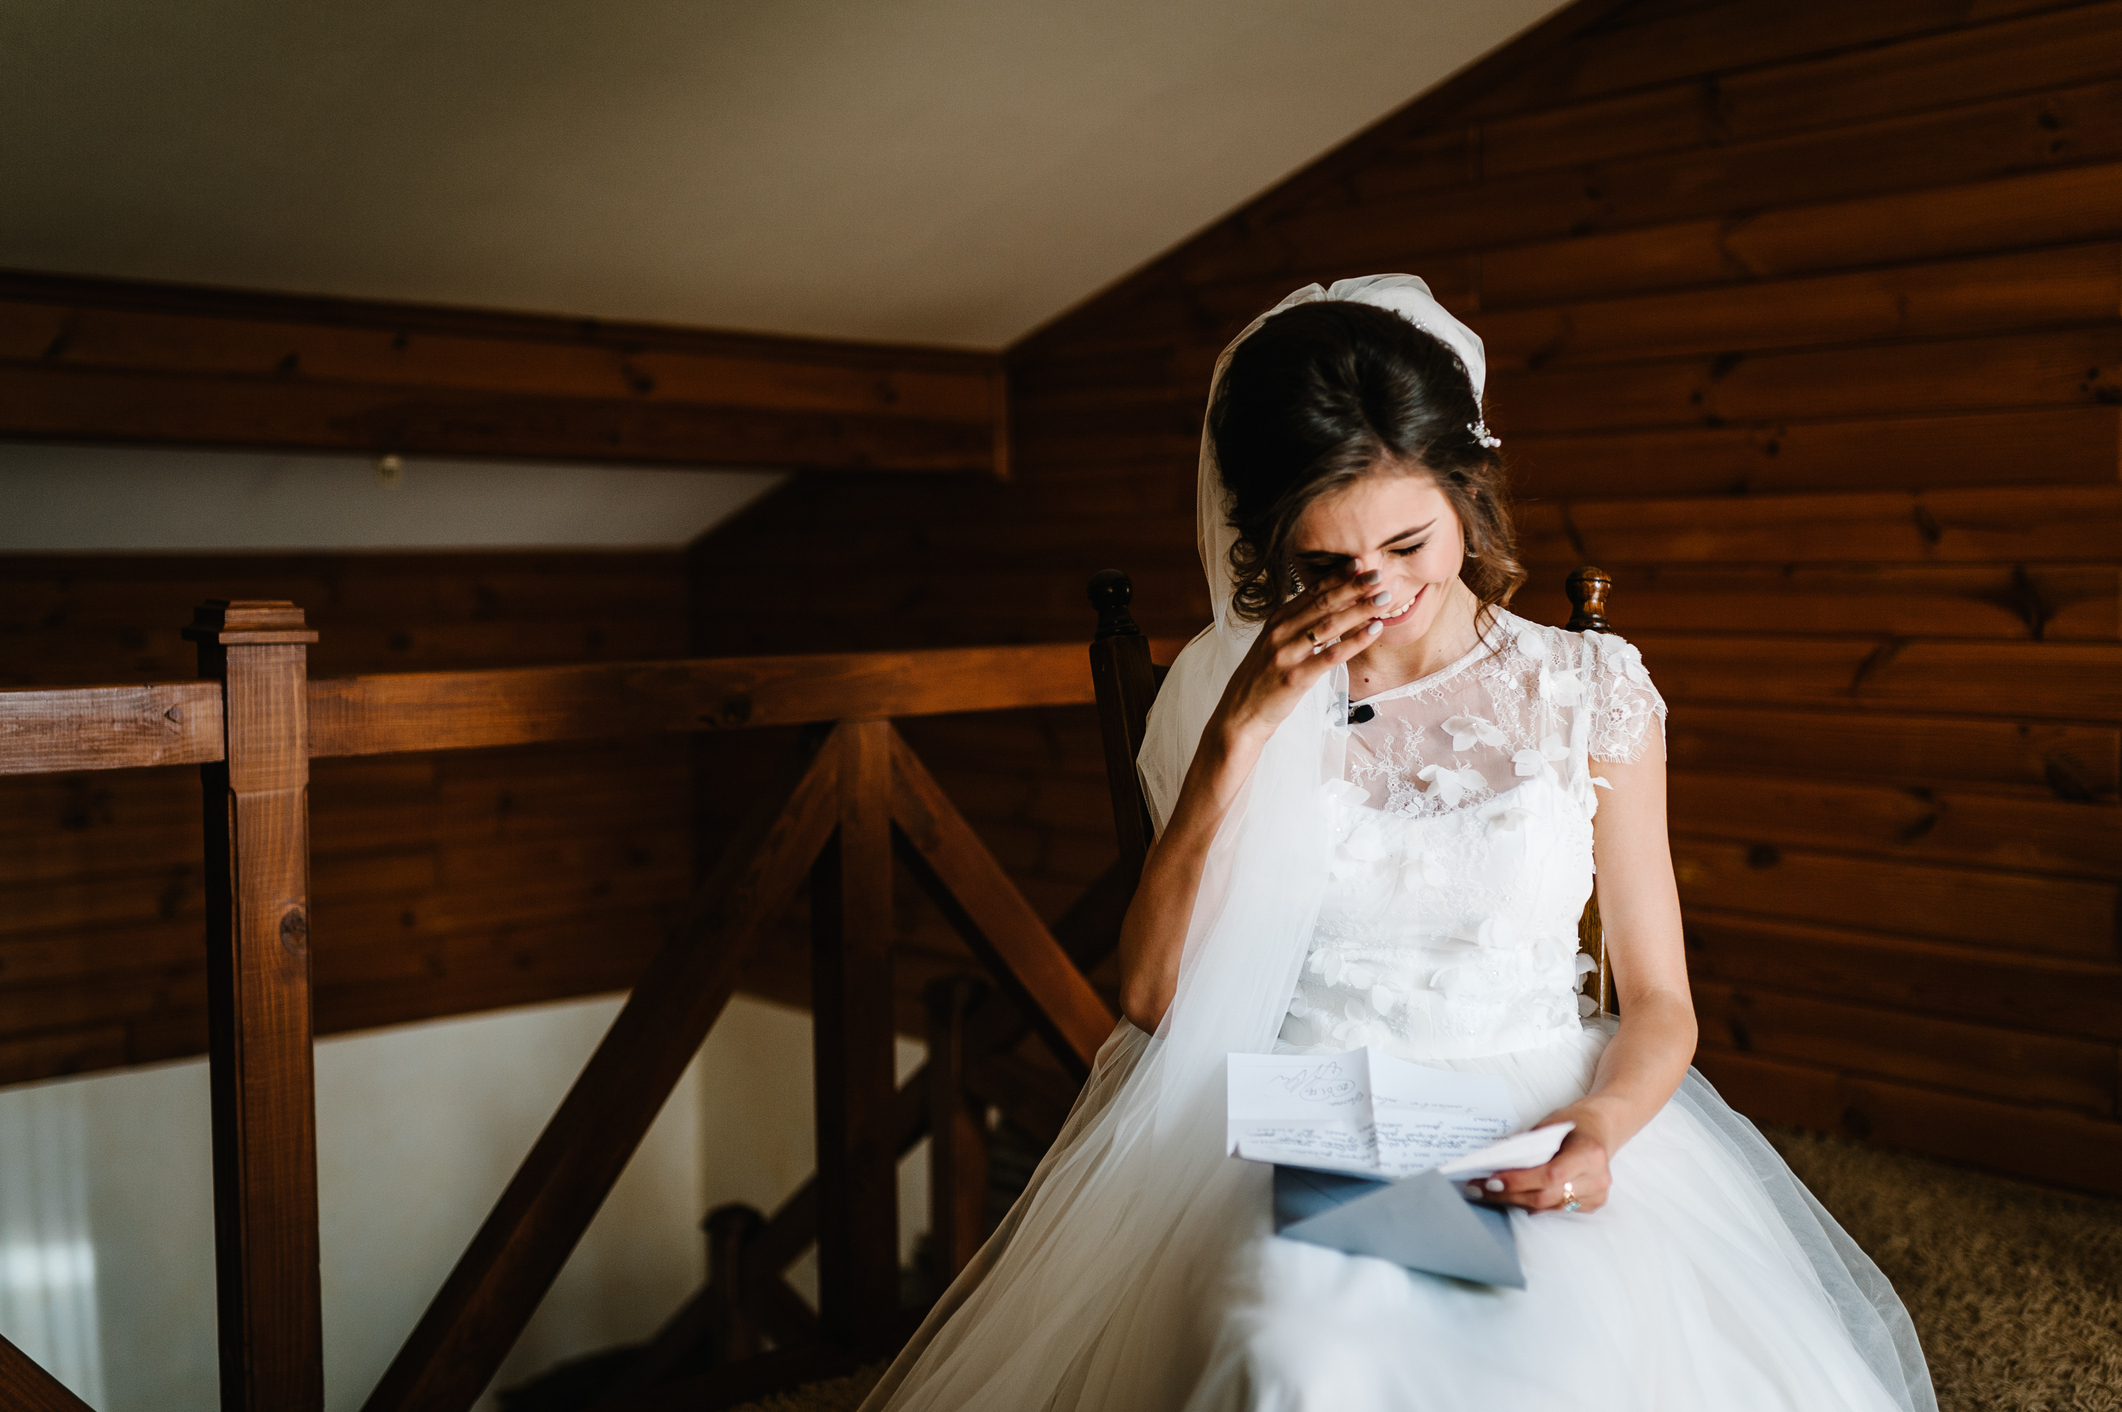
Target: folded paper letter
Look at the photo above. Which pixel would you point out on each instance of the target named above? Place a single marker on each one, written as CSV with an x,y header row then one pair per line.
x,y
1420,1222
1370,1152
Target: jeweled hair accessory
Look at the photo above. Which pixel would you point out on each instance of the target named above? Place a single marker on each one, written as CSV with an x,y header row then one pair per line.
x,y
1483,435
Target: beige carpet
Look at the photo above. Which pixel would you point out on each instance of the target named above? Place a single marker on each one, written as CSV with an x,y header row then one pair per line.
x,y
2016,1290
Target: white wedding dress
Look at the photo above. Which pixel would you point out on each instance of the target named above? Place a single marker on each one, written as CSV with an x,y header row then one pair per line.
x,y
1448,936
1459,862
1407,876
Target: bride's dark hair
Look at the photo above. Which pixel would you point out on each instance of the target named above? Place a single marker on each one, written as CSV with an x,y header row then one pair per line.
x,y
1324,394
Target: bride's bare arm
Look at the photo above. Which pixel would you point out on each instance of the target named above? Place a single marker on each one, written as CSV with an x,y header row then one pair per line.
x,y
1648,1056
1262,692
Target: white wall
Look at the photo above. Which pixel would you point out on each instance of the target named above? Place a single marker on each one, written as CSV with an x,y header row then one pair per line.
x,y
418,1129
106,1209
125,498
758,1120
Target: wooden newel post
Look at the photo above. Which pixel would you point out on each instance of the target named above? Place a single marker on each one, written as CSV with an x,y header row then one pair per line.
x,y
729,1230
258,1008
957,1136
852,1039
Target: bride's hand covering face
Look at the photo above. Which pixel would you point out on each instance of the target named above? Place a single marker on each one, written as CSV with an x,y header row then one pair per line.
x,y
1376,567
1302,641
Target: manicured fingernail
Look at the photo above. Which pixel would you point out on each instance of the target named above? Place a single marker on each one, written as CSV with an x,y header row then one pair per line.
x,y
1368,577
1382,597
1375,628
1494,1184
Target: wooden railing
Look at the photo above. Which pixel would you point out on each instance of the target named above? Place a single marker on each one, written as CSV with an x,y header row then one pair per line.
x,y
850,801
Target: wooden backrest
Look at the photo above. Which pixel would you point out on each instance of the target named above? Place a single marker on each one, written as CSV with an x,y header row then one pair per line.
x,y
1126,682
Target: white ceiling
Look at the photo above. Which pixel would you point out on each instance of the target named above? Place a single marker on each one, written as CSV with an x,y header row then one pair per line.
x,y
949,171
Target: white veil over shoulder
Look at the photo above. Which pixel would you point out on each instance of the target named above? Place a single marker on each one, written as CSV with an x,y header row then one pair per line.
x,y
1090,1294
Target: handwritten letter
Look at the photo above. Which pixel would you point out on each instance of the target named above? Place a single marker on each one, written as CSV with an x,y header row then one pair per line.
x,y
1368,1113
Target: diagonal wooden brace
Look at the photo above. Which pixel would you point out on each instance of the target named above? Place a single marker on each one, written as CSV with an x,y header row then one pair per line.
x,y
26,1387
963,879
482,1307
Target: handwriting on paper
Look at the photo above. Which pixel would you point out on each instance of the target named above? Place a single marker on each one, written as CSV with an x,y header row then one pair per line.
x,y
1363,1112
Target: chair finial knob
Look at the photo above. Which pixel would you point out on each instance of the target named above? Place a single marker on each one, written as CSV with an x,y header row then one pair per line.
x,y
1110,593
1588,587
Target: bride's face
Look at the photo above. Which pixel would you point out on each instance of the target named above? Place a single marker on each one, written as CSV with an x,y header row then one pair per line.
x,y
1403,526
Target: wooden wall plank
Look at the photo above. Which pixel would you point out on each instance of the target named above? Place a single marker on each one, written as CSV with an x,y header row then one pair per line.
x,y
2072,762
2022,290
2052,680
2011,1065
106,360
2062,368
2060,602
1713,38
2005,524
2050,49
2055,917
1954,146
2068,445
1943,825
2037,1144
47,404
2058,48
2016,211
81,335
2038,994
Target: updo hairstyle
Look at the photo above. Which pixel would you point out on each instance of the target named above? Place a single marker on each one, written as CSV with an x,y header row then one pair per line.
x,y
1324,394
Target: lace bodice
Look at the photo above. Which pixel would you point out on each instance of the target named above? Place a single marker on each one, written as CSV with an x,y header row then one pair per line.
x,y
1462,859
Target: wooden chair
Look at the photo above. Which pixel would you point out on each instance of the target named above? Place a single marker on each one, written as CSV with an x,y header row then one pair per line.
x,y
1127,683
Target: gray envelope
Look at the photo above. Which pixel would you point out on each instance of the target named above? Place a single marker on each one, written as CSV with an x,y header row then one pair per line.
x,y
1422,1222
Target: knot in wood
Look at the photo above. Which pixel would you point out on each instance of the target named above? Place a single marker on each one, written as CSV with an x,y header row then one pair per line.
x,y
729,713
294,932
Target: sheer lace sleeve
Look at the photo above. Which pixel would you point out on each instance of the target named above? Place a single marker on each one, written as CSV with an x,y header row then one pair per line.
x,y
1627,711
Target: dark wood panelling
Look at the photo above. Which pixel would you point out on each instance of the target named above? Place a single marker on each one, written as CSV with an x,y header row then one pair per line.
x,y
440,884
108,360
1806,320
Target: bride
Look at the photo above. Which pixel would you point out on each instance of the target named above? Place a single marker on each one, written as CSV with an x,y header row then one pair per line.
x,y
1375,792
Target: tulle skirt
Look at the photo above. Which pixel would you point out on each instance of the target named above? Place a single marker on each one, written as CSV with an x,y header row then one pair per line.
x,y
1709,1280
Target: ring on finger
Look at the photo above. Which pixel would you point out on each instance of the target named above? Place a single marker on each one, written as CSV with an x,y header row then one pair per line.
x,y
1313,638
1569,1197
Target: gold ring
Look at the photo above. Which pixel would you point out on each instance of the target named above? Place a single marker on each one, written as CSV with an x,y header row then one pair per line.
x,y
1569,1197
1313,639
